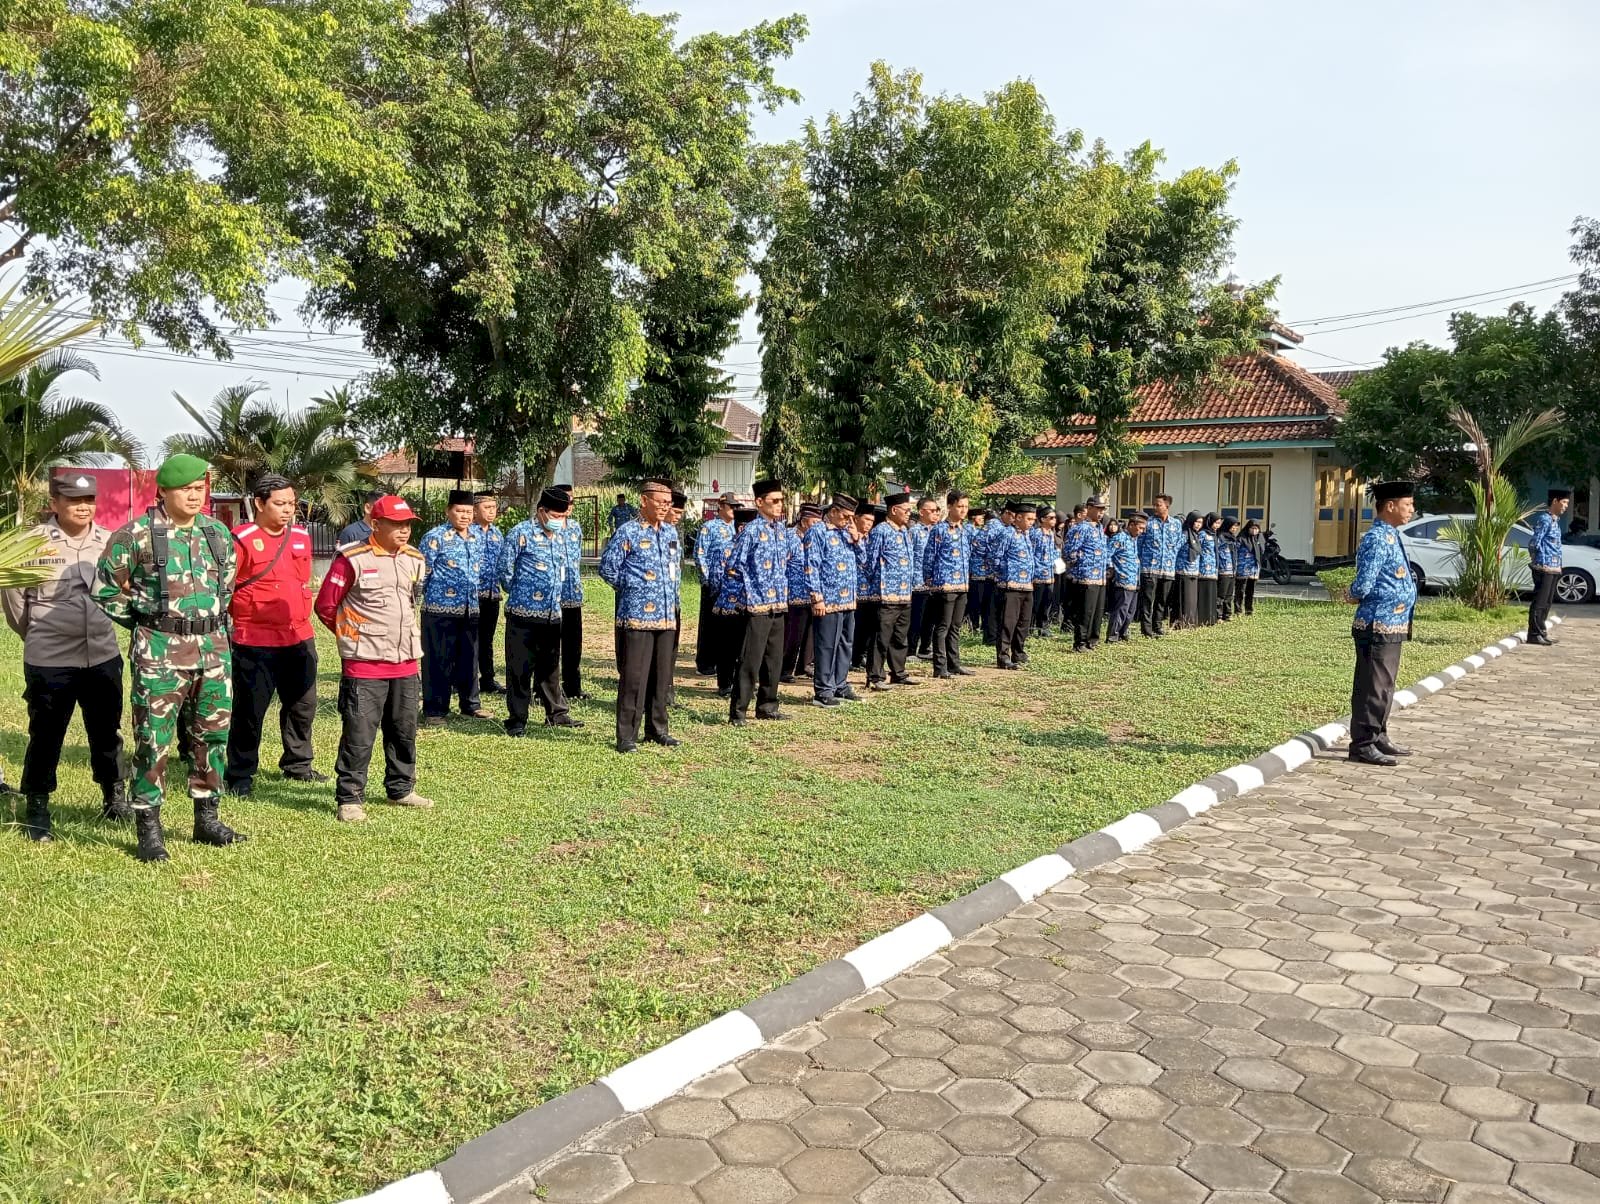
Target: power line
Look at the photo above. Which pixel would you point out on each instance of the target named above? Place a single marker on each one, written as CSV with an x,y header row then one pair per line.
x,y
1534,285
1430,312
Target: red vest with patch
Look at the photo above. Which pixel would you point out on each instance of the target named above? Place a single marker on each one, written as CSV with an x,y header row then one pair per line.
x,y
275,611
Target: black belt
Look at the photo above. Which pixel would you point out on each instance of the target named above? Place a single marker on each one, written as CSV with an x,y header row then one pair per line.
x,y
169,625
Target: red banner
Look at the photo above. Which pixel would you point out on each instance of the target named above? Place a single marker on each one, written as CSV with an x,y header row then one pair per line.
x,y
123,493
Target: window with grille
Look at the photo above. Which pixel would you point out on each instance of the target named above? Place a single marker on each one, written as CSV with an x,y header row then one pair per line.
x,y
1243,491
1138,488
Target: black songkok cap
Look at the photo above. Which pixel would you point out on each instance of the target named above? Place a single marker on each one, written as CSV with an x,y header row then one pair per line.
x,y
978,512
460,497
680,499
554,501
1024,508
1010,507
810,510
897,499
1388,491
765,486
843,501
879,513
745,514
482,494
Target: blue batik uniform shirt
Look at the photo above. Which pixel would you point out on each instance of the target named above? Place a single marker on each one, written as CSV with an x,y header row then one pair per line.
x,y
1042,544
799,569
978,568
489,560
1158,546
1247,564
1012,558
1227,557
921,532
572,591
1085,554
1544,553
947,559
888,563
760,566
638,564
533,570
1124,561
453,571
1384,589
831,564
715,538
1208,556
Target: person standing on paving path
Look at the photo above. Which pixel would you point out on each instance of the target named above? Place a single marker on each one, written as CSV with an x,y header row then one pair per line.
x,y
70,657
1158,560
798,645
1545,556
572,609
945,565
711,548
1012,558
274,648
1386,593
360,530
637,564
1122,576
890,577
368,600
166,576
533,569
450,614
485,509
831,576
760,566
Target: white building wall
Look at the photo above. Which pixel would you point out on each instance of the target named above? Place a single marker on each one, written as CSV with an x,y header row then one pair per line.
x,y
1192,480
730,471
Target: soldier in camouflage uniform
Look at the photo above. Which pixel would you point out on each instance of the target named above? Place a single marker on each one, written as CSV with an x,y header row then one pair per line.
x,y
167,576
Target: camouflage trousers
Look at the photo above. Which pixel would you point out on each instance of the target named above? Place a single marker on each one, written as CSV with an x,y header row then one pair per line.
x,y
191,706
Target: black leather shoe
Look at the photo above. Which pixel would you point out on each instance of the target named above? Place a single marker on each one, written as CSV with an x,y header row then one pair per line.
x,y
1369,755
665,741
209,829
737,720
1543,641
940,675
627,747
905,681
310,775
775,717
1007,665
147,823
37,825
787,679
114,804
963,671
564,721
492,687
1390,749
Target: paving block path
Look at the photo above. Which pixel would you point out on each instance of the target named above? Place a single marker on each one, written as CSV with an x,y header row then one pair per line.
x,y
1348,987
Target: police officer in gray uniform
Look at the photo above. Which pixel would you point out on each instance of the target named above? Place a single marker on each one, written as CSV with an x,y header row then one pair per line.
x,y
70,657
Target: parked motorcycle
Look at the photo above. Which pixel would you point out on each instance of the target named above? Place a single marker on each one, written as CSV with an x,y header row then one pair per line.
x,y
1275,564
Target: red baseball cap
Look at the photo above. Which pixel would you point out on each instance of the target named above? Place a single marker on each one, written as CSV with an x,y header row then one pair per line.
x,y
393,507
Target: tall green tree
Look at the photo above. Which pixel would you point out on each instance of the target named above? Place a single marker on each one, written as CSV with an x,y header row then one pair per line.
x,y
1499,368
1153,306
154,154
1579,447
564,154
41,426
666,429
917,252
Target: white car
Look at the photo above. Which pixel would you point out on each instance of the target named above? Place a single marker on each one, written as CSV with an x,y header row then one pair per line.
x,y
1434,560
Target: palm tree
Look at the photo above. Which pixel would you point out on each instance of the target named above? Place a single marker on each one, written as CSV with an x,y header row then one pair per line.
x,y
39,427
242,437
1497,509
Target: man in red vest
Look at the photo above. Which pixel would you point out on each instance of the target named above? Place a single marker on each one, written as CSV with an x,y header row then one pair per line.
x,y
274,650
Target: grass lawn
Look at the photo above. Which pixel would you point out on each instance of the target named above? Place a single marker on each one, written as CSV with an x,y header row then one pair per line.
x,y
329,1007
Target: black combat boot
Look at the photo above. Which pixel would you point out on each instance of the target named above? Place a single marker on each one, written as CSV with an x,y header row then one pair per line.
x,y
147,823
114,803
37,825
208,829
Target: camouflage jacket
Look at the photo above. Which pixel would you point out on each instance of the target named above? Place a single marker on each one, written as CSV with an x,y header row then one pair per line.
x,y
198,587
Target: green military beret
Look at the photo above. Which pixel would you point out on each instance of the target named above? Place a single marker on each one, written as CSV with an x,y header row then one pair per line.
x,y
180,470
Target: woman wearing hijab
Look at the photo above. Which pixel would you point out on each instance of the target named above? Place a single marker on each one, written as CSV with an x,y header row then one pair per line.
x,y
1188,571
1252,554
1208,570
1227,566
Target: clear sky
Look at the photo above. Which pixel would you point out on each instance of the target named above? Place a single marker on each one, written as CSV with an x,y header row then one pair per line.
x,y
1390,152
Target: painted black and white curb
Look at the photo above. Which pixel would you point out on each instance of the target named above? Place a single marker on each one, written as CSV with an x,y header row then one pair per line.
x,y
503,1155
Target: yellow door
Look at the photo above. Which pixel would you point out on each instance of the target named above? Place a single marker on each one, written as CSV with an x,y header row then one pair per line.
x,y
1331,523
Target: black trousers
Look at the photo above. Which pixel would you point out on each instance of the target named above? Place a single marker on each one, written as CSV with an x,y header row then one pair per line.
x,y
533,667
1225,590
449,662
1091,614
1155,596
644,676
705,640
1372,692
866,633
797,641
1012,633
727,634
760,663
1206,601
571,650
259,673
1244,595
977,595
369,706
993,604
891,642
948,612
1186,608
488,621
1043,595
1544,593
52,694
1124,604
923,606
